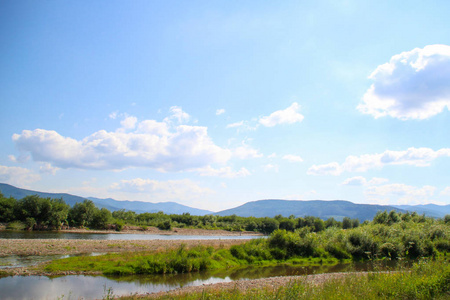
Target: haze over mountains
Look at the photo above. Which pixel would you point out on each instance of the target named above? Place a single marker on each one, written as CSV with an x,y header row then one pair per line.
x,y
337,209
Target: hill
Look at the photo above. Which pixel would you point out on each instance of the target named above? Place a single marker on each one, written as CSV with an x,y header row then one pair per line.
x,y
111,204
337,209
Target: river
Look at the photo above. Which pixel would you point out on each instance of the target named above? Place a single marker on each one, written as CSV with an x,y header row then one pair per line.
x,y
98,287
113,236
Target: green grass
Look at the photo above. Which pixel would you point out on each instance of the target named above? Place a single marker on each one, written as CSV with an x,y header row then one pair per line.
x,y
425,280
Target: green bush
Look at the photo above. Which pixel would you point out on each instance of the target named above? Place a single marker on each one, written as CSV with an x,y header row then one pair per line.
x,y
337,251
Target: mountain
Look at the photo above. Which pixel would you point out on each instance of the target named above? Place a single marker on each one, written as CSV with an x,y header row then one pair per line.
x,y
432,210
337,209
111,204
141,207
17,193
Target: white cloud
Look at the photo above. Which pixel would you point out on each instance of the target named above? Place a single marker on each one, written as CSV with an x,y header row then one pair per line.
x,y
113,115
236,124
446,191
293,158
245,152
220,111
356,181
328,169
289,115
271,168
47,168
178,114
153,145
361,181
242,126
225,172
419,157
400,193
172,190
413,85
17,176
129,122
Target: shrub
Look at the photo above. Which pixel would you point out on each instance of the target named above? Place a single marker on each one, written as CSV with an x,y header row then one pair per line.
x,y
390,250
165,225
337,251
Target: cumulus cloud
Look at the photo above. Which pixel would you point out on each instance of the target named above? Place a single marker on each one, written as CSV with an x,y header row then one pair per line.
x,y
245,152
413,85
157,145
446,191
178,115
17,175
179,190
400,193
47,168
225,172
419,157
361,181
292,158
289,115
129,122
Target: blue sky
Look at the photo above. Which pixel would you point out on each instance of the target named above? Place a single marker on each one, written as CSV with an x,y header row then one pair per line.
x,y
213,104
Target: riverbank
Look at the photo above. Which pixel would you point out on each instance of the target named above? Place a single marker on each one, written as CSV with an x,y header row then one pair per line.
x,y
157,231
270,284
72,247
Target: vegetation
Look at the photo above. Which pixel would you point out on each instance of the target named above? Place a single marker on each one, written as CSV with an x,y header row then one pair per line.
x,y
425,280
38,213
393,237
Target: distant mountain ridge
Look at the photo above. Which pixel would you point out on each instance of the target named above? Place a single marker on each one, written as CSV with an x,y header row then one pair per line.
x,y
111,204
337,209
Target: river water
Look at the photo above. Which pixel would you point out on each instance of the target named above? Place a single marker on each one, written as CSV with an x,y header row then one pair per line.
x,y
114,236
98,287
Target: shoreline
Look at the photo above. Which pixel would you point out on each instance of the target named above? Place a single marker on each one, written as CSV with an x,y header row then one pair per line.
x,y
244,285
152,231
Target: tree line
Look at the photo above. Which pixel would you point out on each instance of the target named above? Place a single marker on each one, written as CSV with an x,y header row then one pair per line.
x,y
38,213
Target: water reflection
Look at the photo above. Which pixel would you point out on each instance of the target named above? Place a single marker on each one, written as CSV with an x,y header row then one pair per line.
x,y
13,261
112,236
96,287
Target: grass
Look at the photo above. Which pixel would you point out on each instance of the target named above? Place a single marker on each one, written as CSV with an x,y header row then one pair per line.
x,y
425,280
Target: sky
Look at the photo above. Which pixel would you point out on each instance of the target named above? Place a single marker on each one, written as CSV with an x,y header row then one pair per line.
x,y
213,104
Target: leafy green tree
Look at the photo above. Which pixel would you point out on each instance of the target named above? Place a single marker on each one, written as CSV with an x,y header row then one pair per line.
x,y
346,223
58,214
269,225
82,213
101,219
36,208
331,222
7,209
287,224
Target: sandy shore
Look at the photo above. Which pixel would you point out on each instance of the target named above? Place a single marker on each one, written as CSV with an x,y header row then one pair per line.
x,y
271,283
66,246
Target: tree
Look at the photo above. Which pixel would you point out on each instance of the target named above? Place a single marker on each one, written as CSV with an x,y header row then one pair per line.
x,y
82,213
101,219
346,223
59,213
7,208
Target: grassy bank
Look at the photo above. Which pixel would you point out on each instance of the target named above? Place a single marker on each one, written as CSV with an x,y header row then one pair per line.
x,y
425,280
405,239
